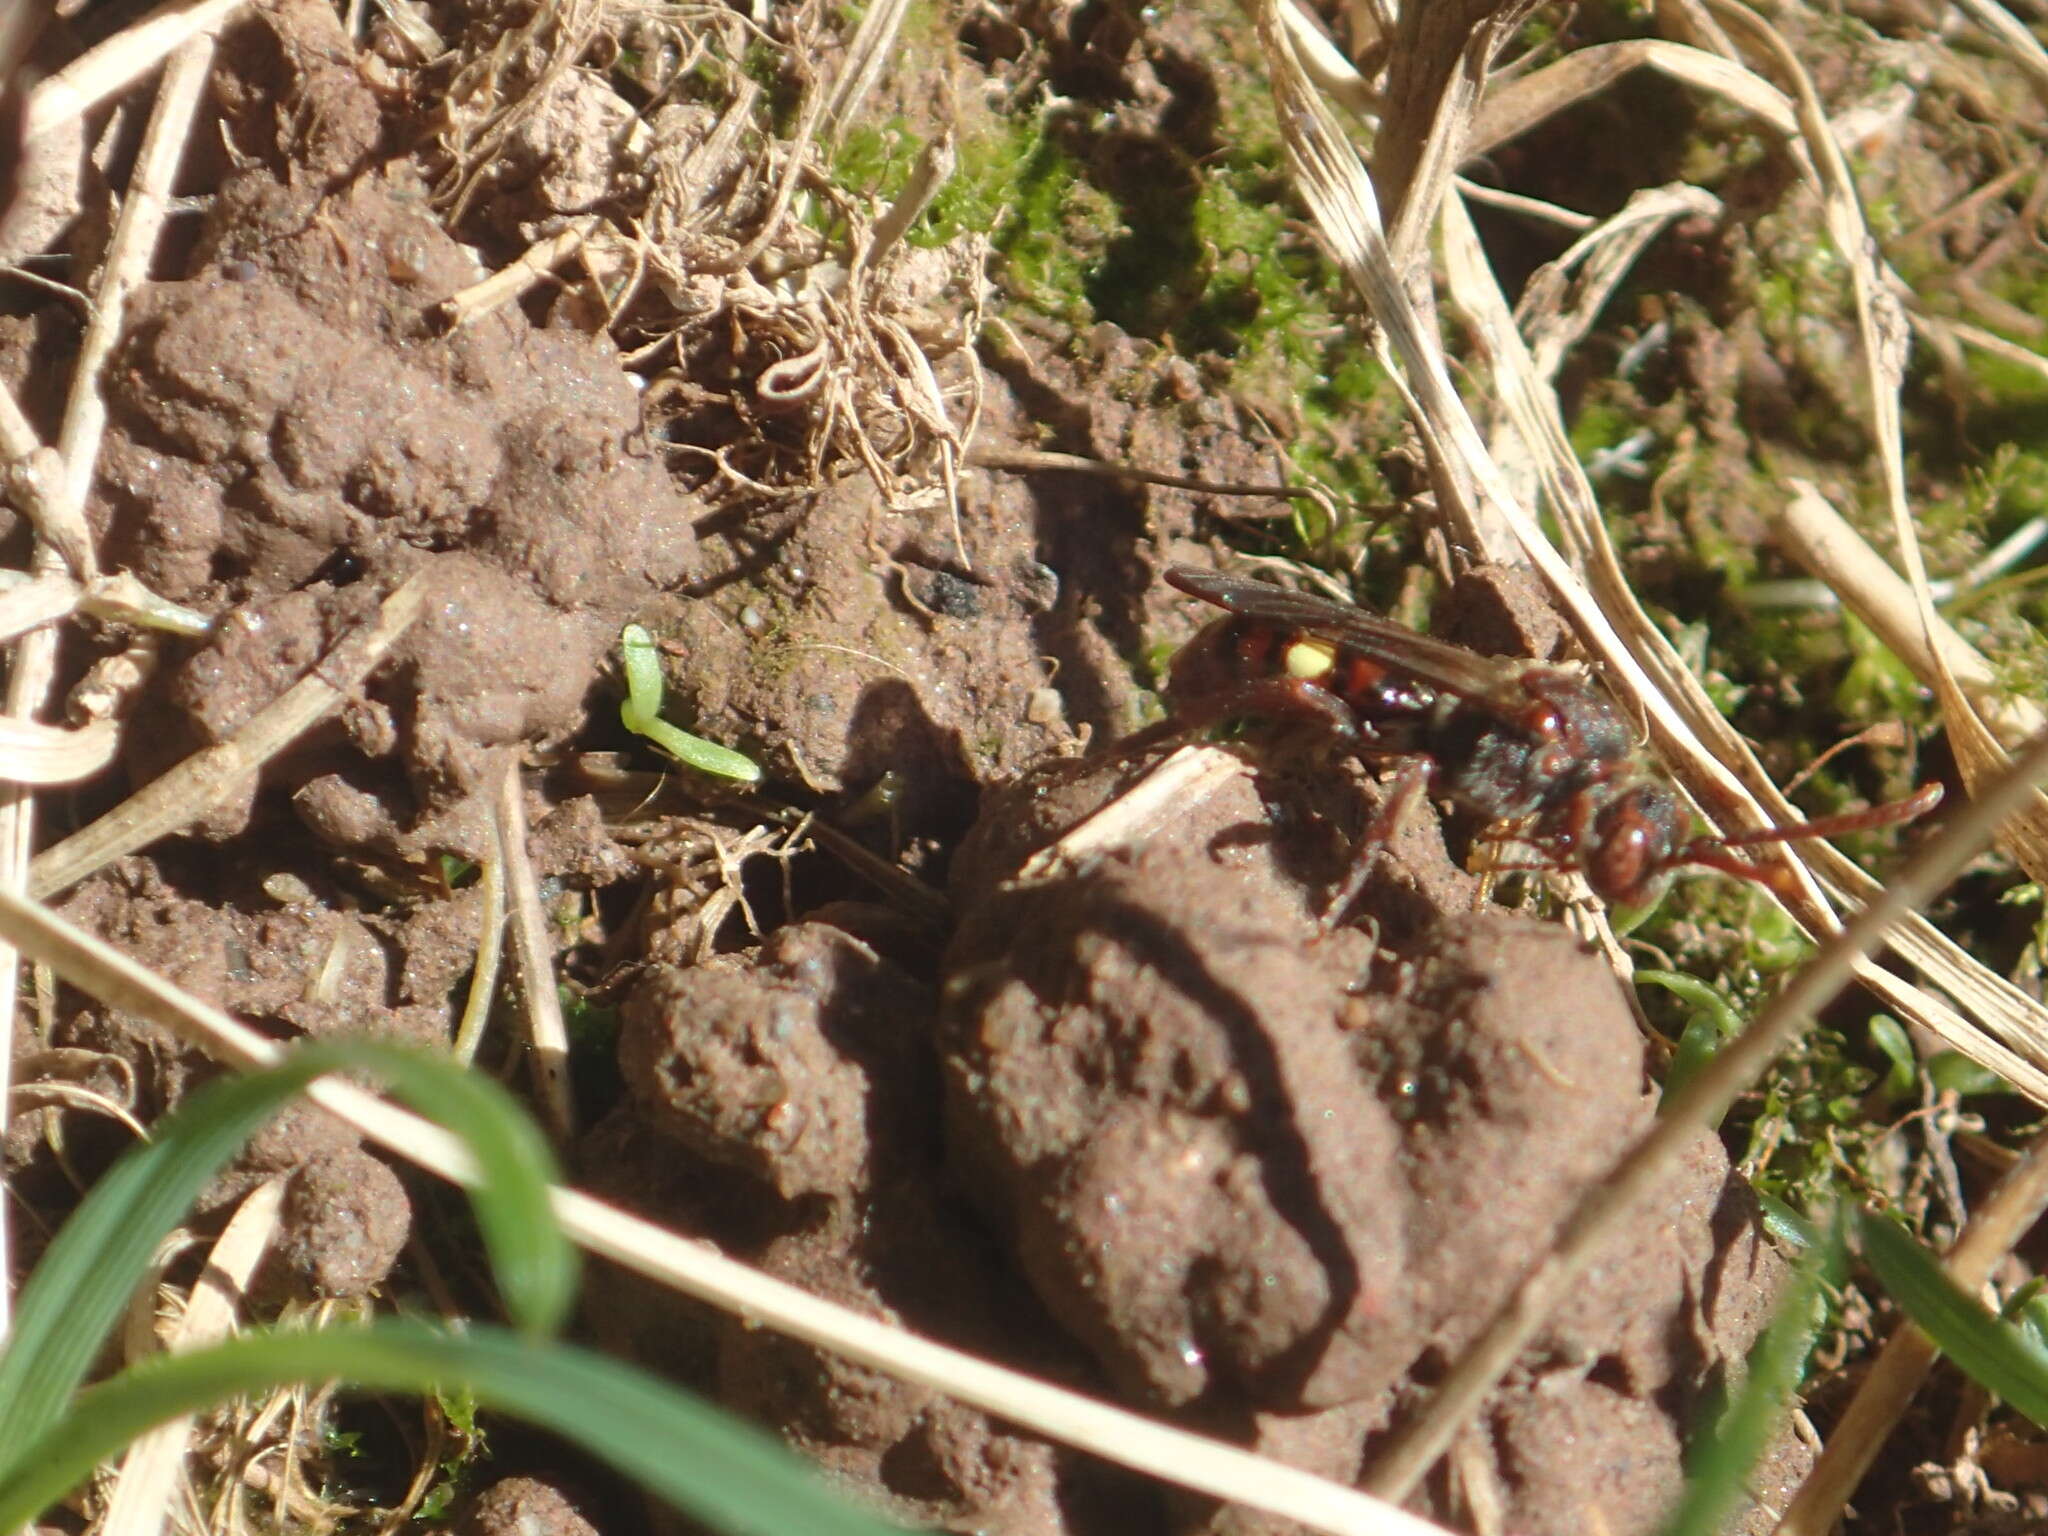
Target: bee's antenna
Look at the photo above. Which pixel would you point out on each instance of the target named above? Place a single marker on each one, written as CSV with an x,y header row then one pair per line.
x,y
1889,814
1717,852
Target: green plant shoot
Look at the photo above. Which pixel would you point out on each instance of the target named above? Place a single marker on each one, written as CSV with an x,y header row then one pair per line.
x,y
640,713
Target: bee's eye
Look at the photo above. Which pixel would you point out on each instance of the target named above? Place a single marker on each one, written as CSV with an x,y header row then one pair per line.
x,y
1628,851
1618,863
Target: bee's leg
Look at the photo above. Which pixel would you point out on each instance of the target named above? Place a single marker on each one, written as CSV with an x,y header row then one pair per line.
x,y
1412,781
1489,864
1266,698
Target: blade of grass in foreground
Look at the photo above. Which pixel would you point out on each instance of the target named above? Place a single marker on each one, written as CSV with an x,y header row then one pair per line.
x,y
84,1280
1990,1351
690,1454
1720,1462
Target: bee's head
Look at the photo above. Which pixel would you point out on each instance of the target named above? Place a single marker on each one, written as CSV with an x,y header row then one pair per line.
x,y
1634,844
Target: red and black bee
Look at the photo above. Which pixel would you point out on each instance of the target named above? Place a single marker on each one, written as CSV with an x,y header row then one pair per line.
x,y
1539,751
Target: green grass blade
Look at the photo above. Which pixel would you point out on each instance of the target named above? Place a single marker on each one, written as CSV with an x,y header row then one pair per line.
x,y
1990,1351
1720,1461
1713,1024
536,1266
692,1455
86,1276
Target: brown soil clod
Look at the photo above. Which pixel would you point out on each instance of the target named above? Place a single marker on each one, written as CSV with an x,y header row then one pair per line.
x,y
1262,1178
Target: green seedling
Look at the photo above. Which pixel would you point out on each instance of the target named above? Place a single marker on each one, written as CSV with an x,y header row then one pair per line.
x,y
640,713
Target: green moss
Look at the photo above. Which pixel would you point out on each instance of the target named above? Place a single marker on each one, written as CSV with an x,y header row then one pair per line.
x,y
1600,424
874,159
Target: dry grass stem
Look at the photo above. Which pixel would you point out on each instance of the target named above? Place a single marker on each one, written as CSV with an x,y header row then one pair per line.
x,y
1881,1398
1033,461
1530,207
867,55
1443,151
1564,297
1191,1461
2013,39
121,598
134,242
63,539
34,753
1186,777
1819,538
150,1472
1515,106
1690,732
29,601
936,163
123,59
516,277
533,943
207,777
490,956
1983,340
1331,180
18,442
1694,1111
1326,66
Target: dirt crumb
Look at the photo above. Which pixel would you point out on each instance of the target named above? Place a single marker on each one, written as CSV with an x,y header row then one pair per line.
x,y
524,1506
775,1062
345,1220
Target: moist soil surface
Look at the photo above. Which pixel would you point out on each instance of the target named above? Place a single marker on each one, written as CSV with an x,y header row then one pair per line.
x,y
1136,1121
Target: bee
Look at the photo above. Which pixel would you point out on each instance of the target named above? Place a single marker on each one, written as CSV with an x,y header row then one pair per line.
x,y
1539,751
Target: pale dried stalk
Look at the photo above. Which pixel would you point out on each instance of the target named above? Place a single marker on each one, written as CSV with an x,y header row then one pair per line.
x,y
1191,1461
1185,778
936,163
1034,460
1812,532
1683,1118
28,602
1529,207
1327,68
1886,340
134,242
35,474
490,954
2006,1034
2020,45
150,1470
204,779
1444,150
1477,501
1557,309
63,538
531,942
1881,1398
34,754
1516,106
123,59
867,55
1338,192
516,277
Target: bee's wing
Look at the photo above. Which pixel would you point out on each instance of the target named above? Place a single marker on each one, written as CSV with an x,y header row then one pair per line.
x,y
1485,679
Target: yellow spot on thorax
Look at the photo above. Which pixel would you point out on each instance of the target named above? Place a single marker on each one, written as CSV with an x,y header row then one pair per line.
x,y
1310,659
